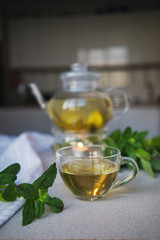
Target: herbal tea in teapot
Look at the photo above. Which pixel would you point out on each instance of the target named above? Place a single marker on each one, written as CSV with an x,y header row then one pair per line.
x,y
80,114
81,106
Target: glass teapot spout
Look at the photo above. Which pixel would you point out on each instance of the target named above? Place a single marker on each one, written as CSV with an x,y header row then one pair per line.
x,y
37,94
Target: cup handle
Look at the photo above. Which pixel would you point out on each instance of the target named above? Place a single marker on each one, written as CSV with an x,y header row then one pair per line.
x,y
130,176
126,101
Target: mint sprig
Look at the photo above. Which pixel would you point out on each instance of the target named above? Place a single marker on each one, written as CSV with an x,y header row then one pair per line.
x,y
146,152
46,179
9,194
8,175
35,195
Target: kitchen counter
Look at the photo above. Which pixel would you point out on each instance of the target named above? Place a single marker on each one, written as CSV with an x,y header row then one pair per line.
x,y
129,212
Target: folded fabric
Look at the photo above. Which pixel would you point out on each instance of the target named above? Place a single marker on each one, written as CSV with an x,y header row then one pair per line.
x,y
24,150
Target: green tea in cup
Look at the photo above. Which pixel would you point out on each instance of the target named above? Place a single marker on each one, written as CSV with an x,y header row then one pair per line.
x,y
89,172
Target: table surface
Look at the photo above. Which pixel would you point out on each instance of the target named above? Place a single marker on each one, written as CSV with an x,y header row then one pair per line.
x,y
129,212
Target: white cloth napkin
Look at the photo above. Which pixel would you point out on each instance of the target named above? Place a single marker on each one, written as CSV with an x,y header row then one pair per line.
x,y
24,150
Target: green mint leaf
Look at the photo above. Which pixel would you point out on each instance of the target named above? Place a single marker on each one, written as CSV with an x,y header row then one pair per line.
x,y
115,135
145,161
130,150
110,142
134,143
142,154
146,165
47,178
10,193
39,208
43,198
121,143
155,142
7,178
28,191
139,136
2,199
127,133
28,212
137,145
2,186
155,162
56,205
131,140
12,169
146,144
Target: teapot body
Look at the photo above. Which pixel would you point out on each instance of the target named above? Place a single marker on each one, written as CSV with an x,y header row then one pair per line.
x,y
80,111
81,106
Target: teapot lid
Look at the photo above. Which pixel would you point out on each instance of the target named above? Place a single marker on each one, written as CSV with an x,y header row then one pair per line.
x,y
79,74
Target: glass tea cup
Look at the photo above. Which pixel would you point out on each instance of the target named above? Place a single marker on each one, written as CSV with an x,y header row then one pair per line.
x,y
89,172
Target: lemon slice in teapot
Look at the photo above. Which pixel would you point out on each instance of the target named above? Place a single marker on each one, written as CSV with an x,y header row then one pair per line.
x,y
95,120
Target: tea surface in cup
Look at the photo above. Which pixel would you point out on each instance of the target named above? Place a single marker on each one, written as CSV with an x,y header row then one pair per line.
x,y
89,179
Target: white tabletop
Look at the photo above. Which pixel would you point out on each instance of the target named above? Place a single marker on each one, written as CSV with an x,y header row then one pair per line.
x,y
130,212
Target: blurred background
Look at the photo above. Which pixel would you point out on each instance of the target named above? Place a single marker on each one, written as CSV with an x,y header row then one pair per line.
x,y
39,40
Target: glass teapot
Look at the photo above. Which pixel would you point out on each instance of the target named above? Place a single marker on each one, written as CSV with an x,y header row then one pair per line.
x,y
81,106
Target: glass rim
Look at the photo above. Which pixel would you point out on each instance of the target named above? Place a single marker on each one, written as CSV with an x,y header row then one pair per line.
x,y
58,152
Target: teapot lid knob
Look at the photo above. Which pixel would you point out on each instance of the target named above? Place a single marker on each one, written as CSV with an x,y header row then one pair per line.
x,y
79,72
78,67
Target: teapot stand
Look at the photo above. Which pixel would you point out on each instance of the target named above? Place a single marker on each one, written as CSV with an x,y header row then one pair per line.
x,y
63,139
